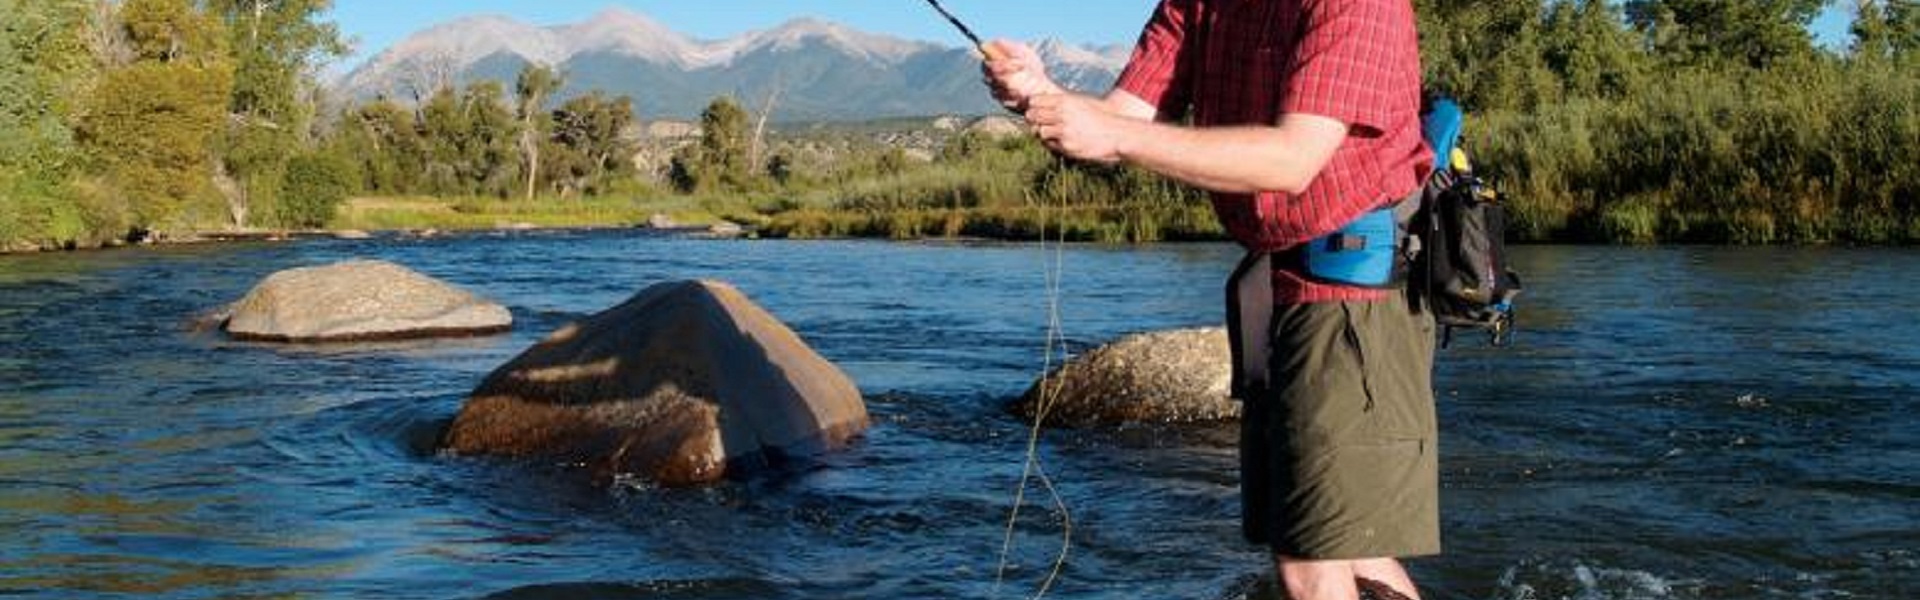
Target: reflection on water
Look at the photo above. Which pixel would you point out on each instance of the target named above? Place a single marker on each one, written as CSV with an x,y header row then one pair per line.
x,y
1676,423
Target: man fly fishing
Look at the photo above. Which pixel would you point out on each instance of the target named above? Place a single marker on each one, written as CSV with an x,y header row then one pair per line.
x,y
1304,121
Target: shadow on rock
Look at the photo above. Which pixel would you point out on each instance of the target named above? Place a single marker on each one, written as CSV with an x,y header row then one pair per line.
x,y
684,384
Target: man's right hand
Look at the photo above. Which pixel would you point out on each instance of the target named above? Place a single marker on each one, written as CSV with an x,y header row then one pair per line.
x,y
1016,74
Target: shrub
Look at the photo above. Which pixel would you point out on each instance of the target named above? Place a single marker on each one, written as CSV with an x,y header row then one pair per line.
x,y
314,186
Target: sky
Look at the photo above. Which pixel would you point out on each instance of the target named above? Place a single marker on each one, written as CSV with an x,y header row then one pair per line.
x,y
373,25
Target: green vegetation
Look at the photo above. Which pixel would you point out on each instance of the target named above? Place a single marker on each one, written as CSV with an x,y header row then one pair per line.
x,y
124,119
1688,120
473,213
1638,122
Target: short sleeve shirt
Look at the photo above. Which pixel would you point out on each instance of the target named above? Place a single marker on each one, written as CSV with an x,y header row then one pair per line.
x,y
1250,62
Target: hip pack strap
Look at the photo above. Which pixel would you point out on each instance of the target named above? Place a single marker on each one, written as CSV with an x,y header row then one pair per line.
x,y
1250,324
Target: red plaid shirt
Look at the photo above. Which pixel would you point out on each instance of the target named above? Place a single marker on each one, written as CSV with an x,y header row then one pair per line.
x,y
1248,62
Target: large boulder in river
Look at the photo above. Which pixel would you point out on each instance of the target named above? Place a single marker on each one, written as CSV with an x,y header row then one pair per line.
x,y
1164,377
680,385
359,301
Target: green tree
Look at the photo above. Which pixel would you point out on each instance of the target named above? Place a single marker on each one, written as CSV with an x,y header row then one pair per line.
x,y
471,142
43,64
1756,33
1488,54
535,85
1589,47
274,46
384,139
589,145
315,184
1903,20
1872,31
1884,28
151,123
720,158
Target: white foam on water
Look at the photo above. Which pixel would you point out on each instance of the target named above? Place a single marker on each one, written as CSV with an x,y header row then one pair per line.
x,y
1577,580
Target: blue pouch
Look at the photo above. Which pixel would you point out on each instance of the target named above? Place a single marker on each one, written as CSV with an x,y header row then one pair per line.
x,y
1361,254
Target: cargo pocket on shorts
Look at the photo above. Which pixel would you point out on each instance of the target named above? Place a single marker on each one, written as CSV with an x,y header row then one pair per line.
x,y
1386,358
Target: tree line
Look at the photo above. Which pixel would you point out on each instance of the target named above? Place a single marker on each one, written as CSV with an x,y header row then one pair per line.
x,y
1636,121
134,118
480,140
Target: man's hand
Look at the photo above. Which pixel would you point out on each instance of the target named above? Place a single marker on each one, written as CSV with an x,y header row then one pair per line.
x,y
1016,74
1078,127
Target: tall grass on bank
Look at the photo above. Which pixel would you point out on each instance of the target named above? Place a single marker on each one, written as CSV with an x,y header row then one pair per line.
x,y
1002,189
1820,154
488,213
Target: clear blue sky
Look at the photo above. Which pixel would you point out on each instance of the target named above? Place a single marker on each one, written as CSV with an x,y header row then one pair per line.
x,y
373,25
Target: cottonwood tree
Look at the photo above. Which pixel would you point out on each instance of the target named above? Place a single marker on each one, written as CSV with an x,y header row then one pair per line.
x,y
1754,33
151,122
720,157
275,46
44,64
588,143
535,85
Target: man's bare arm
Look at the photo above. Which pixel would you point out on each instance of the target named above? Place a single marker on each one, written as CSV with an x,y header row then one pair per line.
x,y
1283,158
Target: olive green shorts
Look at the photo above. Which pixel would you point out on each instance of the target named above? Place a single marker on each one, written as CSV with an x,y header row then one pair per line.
x,y
1338,460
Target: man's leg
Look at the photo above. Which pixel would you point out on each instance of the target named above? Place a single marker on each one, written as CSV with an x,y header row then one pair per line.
x,y
1338,579
1389,572
1318,579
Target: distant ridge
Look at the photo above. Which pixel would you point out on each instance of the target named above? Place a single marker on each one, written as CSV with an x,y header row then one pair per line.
x,y
823,70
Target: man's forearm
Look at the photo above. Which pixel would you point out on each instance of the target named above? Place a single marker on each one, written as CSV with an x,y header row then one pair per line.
x,y
1241,160
1235,160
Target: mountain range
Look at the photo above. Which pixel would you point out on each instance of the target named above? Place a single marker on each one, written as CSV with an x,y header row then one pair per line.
x,y
814,70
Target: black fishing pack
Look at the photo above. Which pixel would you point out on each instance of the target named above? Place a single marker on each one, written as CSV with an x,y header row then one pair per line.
x,y
1459,263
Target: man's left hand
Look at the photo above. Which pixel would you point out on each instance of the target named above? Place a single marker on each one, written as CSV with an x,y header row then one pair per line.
x,y
1077,127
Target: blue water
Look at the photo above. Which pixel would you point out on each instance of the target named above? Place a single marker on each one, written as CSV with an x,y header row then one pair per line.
x,y
1676,423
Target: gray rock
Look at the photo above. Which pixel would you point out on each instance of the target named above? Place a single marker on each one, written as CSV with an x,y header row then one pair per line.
x,y
683,384
352,234
726,229
661,221
1165,377
997,127
359,301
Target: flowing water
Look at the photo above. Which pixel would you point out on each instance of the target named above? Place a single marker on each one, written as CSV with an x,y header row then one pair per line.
x,y
1676,423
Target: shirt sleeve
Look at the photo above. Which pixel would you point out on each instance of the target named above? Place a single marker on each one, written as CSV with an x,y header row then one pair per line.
x,y
1348,62
1158,71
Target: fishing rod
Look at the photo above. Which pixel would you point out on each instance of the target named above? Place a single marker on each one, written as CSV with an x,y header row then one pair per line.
x,y
1056,341
965,30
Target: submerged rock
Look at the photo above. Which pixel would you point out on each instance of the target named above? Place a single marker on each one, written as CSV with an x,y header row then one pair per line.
x,y
360,301
680,385
1164,377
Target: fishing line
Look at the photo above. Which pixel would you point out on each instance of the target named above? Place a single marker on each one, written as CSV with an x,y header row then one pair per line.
x,y
1049,387
1049,390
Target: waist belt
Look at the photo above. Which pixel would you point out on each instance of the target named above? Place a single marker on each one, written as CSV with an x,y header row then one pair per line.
x,y
1371,252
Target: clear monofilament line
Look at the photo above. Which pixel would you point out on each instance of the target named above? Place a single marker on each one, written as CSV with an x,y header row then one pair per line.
x,y
1049,392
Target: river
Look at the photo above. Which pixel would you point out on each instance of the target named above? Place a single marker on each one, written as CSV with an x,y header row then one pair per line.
x,y
1674,423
